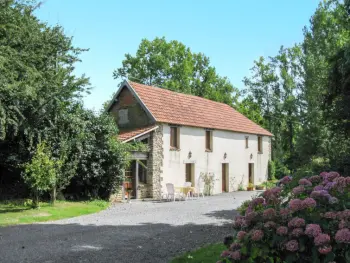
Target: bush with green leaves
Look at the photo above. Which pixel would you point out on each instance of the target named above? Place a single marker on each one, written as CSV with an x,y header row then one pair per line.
x,y
40,173
304,222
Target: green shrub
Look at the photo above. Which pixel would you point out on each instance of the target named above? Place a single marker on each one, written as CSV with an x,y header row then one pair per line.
x,y
281,170
271,170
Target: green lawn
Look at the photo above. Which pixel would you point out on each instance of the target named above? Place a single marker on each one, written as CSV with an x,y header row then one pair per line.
x,y
207,254
15,212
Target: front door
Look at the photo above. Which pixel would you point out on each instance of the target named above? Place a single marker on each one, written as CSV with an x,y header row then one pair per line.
x,y
224,176
251,173
190,173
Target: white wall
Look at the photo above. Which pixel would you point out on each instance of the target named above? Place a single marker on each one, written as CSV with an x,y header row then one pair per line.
x,y
193,139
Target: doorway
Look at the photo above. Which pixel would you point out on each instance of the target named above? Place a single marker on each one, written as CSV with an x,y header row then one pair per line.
x,y
251,172
189,174
224,176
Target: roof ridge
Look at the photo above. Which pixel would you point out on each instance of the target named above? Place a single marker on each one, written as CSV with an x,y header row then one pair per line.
x,y
179,93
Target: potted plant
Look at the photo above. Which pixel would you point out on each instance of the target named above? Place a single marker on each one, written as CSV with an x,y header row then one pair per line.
x,y
250,187
128,191
259,187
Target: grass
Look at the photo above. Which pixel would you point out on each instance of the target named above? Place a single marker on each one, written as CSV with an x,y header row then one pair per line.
x,y
18,212
206,254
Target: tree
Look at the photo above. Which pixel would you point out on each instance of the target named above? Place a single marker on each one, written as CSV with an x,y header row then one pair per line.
x,y
273,100
36,66
40,173
174,66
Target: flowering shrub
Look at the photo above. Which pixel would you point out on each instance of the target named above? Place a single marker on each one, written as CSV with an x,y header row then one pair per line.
x,y
305,223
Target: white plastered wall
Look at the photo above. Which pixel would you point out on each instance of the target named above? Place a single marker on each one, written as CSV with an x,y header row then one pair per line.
x,y
192,140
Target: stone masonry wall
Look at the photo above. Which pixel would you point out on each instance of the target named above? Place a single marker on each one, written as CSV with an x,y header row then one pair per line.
x,y
155,161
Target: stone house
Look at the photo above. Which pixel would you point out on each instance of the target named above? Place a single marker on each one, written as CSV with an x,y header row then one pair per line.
x,y
187,136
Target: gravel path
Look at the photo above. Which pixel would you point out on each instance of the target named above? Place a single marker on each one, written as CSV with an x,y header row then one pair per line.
x,y
135,232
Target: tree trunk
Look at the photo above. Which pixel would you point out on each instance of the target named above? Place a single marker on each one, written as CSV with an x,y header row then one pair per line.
x,y
35,199
53,195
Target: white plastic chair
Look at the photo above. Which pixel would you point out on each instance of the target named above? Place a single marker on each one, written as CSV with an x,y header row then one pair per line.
x,y
200,188
171,192
188,184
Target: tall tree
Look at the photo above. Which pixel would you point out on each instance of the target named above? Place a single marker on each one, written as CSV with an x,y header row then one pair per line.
x,y
274,88
174,66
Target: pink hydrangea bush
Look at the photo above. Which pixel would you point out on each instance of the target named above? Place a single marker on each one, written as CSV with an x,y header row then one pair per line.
x,y
306,220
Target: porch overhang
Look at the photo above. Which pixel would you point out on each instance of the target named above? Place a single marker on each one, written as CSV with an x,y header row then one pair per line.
x,y
138,156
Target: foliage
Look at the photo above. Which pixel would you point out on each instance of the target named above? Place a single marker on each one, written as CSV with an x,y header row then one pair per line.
x,y
271,170
206,254
308,222
40,173
40,100
172,65
101,158
136,147
209,182
19,211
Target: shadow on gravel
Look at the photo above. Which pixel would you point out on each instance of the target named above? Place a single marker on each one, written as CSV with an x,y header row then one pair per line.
x,y
53,243
223,214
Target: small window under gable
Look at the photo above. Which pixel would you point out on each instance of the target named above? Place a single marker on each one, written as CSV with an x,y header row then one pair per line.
x,y
247,142
209,141
174,137
260,148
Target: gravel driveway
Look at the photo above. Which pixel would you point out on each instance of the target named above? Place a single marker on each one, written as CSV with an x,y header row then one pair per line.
x,y
136,232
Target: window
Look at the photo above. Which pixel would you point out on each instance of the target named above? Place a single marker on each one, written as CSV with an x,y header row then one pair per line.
x,y
247,142
260,149
209,141
174,137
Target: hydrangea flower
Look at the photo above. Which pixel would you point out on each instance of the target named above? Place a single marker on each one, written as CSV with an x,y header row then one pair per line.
x,y
313,230
240,222
343,236
305,182
298,190
241,235
296,222
344,214
297,232
285,212
235,246
295,205
308,203
318,188
258,201
270,224
286,180
282,231
322,239
325,249
225,253
292,245
330,215
269,213
236,255
257,235
251,216
315,179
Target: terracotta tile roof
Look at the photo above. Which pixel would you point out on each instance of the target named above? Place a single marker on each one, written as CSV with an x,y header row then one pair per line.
x,y
178,108
127,135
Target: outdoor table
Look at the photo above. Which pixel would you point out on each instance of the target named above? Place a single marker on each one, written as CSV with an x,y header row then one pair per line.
x,y
185,190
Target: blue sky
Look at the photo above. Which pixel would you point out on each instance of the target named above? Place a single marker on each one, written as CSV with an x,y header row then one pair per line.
x,y
232,33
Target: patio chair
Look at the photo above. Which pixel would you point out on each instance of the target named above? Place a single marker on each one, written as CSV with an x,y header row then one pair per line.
x,y
171,192
188,184
200,188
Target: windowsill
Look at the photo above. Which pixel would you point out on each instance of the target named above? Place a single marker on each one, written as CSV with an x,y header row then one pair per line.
x,y
174,149
260,152
247,147
208,151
